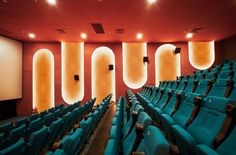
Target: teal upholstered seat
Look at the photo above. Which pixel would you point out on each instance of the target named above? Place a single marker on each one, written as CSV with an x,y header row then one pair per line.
x,y
153,142
228,147
35,142
204,127
15,149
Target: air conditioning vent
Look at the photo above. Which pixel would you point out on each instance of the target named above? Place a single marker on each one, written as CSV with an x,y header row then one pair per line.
x,y
61,30
98,28
120,31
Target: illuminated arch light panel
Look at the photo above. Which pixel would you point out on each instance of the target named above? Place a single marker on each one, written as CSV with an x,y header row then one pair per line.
x,y
167,64
134,69
201,54
98,82
72,64
43,80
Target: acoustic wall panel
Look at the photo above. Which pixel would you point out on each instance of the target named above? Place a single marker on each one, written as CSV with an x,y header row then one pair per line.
x,y
43,80
134,69
201,54
10,69
72,65
103,79
167,63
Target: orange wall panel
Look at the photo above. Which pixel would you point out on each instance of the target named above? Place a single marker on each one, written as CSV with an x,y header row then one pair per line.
x,y
72,63
167,63
43,80
103,79
134,69
201,54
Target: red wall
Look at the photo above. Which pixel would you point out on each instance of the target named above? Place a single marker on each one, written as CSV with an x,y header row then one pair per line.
x,y
25,104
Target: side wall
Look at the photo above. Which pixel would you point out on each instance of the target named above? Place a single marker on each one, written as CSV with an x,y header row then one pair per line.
x,y
25,104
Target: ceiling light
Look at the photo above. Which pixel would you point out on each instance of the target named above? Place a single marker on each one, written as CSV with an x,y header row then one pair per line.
x,y
31,35
189,35
83,35
151,1
139,36
52,2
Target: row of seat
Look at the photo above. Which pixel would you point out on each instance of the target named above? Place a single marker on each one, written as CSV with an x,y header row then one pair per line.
x,y
38,132
72,143
200,121
132,130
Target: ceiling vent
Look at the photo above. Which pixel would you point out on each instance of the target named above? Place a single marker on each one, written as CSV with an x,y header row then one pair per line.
x,y
60,30
120,31
98,28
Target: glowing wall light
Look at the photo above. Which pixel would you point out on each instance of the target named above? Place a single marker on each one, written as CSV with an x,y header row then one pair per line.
x,y
167,63
72,64
201,54
43,80
134,69
103,79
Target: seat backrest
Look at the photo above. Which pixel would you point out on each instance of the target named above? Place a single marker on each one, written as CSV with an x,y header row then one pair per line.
x,y
144,119
163,99
218,88
190,86
185,109
33,126
168,109
5,128
202,87
228,147
154,142
48,119
17,133
21,121
15,149
233,92
209,121
35,142
72,142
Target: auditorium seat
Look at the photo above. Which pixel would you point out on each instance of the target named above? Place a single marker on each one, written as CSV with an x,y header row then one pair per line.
x,y
228,147
15,149
71,144
5,128
153,143
52,133
202,130
129,142
33,126
15,134
35,142
21,121
182,115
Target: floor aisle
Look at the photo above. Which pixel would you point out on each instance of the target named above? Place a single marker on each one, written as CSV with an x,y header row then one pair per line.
x,y
98,141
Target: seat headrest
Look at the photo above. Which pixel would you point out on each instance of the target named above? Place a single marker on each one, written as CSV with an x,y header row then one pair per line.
x,y
216,103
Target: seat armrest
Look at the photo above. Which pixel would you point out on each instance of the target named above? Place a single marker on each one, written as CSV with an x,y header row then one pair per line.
x,y
204,150
139,129
186,143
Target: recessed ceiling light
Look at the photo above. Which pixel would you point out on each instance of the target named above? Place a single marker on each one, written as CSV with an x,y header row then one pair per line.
x,y
83,35
139,36
52,2
31,35
151,1
189,35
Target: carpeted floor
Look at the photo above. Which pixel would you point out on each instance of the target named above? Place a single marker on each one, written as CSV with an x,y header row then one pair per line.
x,y
97,143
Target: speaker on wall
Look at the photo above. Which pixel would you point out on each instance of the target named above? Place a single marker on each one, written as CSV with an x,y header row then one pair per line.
x,y
76,77
145,59
111,67
177,50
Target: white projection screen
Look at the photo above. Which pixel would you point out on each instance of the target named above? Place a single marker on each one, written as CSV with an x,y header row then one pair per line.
x,y
10,69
